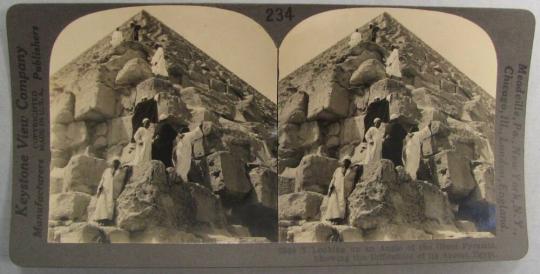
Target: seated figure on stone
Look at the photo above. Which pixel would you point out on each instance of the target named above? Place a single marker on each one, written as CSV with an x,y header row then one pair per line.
x,y
393,64
339,190
159,63
104,212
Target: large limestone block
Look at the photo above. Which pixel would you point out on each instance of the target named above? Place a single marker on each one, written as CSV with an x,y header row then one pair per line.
x,y
115,235
352,130
382,88
435,144
120,130
69,206
56,183
220,103
265,183
349,234
71,136
172,105
427,98
99,75
303,205
152,86
285,185
403,106
124,52
96,102
199,115
62,108
397,232
328,102
351,63
435,203
312,232
295,109
369,72
83,173
314,173
133,72
484,176
228,175
217,85
309,134
59,158
79,233
163,235
148,200
453,174
207,206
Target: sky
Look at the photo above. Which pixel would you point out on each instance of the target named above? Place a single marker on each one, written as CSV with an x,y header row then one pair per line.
x,y
232,39
461,42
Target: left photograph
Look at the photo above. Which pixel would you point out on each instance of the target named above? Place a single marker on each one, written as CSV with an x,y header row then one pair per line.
x,y
163,128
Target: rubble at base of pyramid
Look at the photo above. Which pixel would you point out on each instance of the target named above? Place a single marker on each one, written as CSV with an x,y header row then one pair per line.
x,y
327,105
100,99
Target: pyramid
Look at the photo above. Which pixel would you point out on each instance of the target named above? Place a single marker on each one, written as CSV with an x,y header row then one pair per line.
x,y
325,108
98,100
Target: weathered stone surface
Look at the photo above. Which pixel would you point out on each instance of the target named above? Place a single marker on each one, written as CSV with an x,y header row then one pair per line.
x,y
219,103
62,108
70,136
228,175
81,233
399,232
148,200
312,232
300,206
403,106
207,205
426,98
264,182
170,105
349,233
152,86
199,115
239,231
120,130
163,235
285,185
327,103
96,102
69,206
466,226
115,235
352,130
435,203
368,72
484,176
56,183
314,173
83,173
133,72
453,174
295,109
381,89
59,158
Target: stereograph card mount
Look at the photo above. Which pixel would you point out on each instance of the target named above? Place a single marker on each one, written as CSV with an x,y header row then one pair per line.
x,y
32,32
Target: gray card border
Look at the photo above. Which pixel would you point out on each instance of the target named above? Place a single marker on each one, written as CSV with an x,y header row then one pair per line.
x,y
511,31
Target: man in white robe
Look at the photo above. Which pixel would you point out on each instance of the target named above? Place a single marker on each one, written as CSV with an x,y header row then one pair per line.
x,y
143,141
355,38
412,150
183,152
104,212
393,65
338,191
117,38
158,62
374,138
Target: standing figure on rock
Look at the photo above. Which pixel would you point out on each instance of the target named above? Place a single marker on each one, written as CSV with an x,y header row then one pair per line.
x,y
355,39
183,150
117,38
412,150
159,64
393,141
374,139
143,142
338,191
162,147
393,64
104,212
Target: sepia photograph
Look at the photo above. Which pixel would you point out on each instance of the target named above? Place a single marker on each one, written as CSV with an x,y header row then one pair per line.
x,y
162,128
386,124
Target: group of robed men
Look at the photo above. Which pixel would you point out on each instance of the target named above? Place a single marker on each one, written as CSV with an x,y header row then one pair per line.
x,y
392,143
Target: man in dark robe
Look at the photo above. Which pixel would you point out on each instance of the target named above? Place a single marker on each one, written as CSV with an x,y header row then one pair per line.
x,y
374,29
135,28
393,141
162,147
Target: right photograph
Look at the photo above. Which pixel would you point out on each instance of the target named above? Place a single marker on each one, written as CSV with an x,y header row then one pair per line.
x,y
386,124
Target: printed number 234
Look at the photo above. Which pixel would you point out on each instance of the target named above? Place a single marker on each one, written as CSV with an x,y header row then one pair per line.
x,y
279,14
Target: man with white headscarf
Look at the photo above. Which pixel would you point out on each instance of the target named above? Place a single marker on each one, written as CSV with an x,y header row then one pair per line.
x,y
104,212
339,189
143,142
374,139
